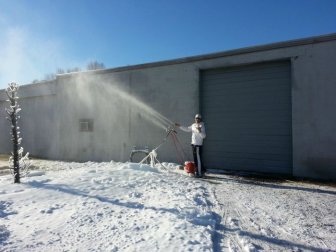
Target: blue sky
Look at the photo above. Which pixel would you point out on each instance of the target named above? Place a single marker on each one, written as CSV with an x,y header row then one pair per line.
x,y
39,36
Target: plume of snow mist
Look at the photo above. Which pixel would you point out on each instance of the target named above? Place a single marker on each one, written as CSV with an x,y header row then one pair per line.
x,y
119,119
96,88
148,112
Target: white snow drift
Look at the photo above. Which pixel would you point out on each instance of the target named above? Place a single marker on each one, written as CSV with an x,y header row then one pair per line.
x,y
105,207
131,207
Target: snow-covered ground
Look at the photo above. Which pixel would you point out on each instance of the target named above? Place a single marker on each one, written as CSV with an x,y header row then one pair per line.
x,y
105,207
264,215
131,207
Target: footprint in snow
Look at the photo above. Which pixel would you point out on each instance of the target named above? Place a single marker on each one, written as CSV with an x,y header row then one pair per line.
x,y
135,195
50,210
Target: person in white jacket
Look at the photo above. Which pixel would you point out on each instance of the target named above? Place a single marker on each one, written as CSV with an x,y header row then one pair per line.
x,y
197,136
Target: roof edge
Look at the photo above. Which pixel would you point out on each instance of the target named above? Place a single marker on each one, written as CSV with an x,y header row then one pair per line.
x,y
244,50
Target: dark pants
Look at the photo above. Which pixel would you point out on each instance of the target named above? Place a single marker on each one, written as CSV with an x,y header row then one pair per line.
x,y
197,153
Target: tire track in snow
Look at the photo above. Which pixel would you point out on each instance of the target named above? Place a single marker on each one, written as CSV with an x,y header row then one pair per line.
x,y
272,215
231,224
235,222
227,229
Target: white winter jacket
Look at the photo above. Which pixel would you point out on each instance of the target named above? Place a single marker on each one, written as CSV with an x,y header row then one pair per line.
x,y
196,137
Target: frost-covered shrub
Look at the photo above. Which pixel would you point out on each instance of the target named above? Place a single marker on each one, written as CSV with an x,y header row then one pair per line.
x,y
18,163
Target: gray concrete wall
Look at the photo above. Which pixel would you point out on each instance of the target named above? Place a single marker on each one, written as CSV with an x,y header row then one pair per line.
x,y
128,108
125,105
313,105
5,143
38,122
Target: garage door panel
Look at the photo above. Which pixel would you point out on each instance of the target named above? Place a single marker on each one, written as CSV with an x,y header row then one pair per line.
x,y
257,131
252,138
253,71
248,164
248,140
259,92
253,86
255,114
247,111
246,79
263,104
248,118
249,148
239,97
275,158
243,123
251,164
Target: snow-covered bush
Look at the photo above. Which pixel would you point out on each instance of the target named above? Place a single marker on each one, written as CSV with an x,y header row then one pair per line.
x,y
18,163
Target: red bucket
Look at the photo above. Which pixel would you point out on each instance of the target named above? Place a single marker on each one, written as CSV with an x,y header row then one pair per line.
x,y
189,167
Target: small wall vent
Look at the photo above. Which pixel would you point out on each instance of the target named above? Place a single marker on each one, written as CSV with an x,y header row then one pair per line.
x,y
85,125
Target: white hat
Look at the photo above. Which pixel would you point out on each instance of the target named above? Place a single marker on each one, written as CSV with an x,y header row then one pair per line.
x,y
198,116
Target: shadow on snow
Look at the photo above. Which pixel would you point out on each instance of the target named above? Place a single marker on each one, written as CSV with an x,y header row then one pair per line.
x,y
4,233
218,234
133,205
269,184
280,242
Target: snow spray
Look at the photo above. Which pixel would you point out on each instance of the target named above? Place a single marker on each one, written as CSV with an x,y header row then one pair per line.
x,y
109,89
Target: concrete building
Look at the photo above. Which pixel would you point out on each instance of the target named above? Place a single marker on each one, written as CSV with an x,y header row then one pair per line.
x,y
268,108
